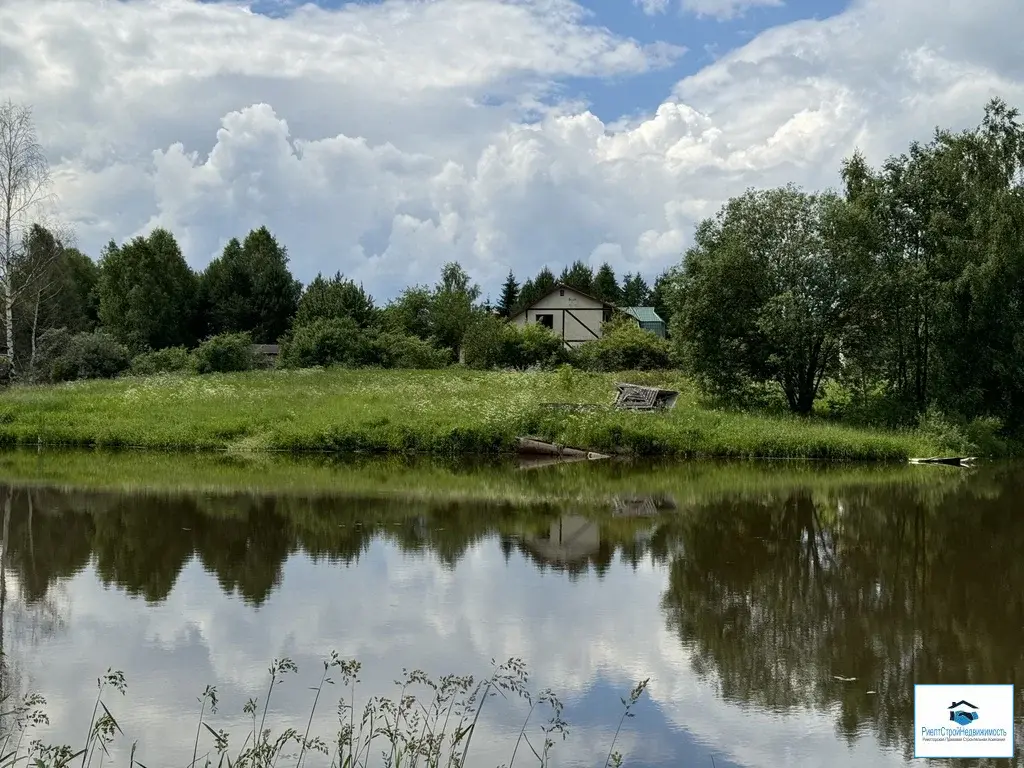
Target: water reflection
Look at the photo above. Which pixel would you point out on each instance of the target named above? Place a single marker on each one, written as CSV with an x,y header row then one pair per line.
x,y
749,611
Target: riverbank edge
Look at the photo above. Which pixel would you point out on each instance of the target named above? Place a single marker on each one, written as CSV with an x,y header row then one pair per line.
x,y
448,414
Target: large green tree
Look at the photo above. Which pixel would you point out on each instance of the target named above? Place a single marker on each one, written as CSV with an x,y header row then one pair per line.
x,y
58,290
578,275
635,291
147,293
786,264
334,298
943,225
250,288
536,288
606,286
453,306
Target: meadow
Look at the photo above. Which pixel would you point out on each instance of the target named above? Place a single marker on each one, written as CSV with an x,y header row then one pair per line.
x,y
447,412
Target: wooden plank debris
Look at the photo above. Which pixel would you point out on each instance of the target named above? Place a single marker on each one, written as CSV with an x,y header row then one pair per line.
x,y
636,397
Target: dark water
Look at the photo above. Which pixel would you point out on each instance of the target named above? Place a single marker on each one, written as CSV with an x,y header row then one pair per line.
x,y
741,609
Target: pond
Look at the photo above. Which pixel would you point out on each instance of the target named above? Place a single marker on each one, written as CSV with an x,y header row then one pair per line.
x,y
782,614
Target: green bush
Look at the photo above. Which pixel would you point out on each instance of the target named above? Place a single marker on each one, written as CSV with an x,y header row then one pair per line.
x,y
625,346
533,344
337,341
170,360
394,349
226,353
483,344
491,342
63,356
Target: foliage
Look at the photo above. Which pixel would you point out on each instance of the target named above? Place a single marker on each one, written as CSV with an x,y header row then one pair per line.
x,y
393,349
784,264
168,360
435,721
324,342
535,289
509,296
225,353
491,342
662,296
333,299
147,293
452,307
249,289
605,285
578,275
624,346
635,292
410,312
65,356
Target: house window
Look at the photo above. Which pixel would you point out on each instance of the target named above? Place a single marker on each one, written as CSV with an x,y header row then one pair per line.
x,y
561,291
548,321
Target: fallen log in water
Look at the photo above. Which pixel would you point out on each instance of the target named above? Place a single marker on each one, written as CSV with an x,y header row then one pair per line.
x,y
532,446
952,461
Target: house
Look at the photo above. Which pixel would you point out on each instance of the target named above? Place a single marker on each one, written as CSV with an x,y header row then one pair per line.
x,y
573,315
648,319
577,317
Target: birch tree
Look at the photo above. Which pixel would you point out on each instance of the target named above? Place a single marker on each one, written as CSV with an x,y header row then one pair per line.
x,y
24,183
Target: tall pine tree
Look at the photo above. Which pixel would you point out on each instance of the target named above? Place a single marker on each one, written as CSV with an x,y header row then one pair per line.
x,y
606,286
509,295
635,292
578,275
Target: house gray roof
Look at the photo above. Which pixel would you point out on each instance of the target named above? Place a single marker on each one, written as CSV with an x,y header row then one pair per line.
x,y
643,314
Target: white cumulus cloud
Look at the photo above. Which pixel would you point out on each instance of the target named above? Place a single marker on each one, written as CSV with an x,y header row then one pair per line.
x,y
384,139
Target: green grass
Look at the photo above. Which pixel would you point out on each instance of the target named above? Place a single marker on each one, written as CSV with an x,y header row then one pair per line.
x,y
438,412
428,724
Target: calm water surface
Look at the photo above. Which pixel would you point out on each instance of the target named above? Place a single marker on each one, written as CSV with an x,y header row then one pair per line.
x,y
743,609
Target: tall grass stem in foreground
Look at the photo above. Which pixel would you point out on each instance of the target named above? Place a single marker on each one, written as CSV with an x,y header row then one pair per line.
x,y
432,732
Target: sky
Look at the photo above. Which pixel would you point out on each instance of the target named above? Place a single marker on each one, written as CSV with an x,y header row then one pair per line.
x,y
382,138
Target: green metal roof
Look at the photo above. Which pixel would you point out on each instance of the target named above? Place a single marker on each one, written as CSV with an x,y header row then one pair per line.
x,y
643,314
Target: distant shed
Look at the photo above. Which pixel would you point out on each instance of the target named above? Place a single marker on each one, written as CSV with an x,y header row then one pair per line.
x,y
647,319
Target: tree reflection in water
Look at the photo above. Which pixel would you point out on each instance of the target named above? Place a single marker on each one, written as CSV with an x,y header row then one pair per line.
x,y
776,595
779,600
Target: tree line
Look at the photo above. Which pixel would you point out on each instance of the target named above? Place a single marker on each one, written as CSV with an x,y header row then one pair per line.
x,y
897,297
899,294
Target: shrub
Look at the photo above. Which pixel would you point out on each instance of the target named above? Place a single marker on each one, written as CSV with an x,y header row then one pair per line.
x,y
484,342
225,353
533,344
63,356
494,343
170,360
394,349
322,342
625,346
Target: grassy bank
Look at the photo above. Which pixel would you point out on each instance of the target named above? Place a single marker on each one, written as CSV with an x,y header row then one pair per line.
x,y
437,412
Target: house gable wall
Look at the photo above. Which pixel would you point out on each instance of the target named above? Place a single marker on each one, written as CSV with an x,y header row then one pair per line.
x,y
576,318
